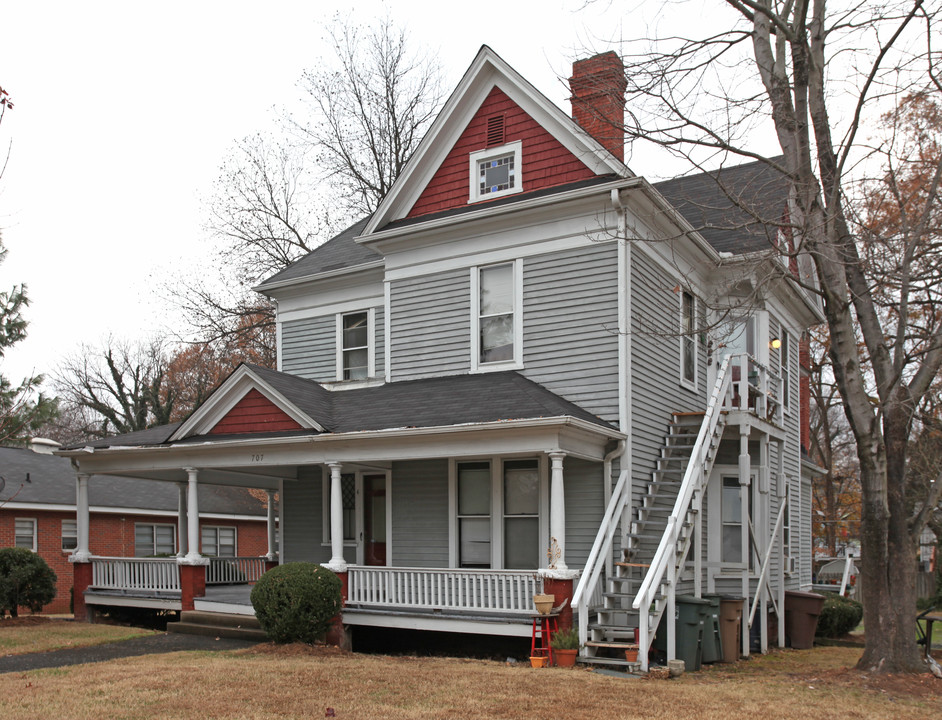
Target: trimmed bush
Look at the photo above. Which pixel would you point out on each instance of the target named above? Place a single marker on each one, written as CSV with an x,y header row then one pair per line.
x,y
25,581
295,602
839,616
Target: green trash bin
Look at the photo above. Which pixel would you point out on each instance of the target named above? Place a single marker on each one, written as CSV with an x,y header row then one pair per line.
x,y
801,617
690,616
712,646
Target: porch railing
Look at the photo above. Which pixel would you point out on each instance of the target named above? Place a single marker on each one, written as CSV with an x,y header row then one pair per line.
x,y
234,570
136,574
755,388
488,591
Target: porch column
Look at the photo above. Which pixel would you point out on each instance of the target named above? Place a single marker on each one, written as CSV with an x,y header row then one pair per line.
x,y
271,525
181,520
337,563
558,508
81,553
192,519
744,467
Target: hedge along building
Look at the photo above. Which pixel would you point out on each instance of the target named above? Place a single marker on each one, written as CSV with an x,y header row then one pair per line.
x,y
127,517
511,378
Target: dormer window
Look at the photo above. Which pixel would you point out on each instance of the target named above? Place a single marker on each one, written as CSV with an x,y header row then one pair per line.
x,y
495,172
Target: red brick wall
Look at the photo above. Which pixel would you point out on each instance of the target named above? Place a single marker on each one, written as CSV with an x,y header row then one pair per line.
x,y
254,413
545,161
598,100
109,535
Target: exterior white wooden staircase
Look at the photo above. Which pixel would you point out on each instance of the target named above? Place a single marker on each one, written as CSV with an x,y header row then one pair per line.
x,y
620,604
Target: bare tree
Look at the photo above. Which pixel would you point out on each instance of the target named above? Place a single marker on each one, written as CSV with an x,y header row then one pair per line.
x,y
118,388
813,73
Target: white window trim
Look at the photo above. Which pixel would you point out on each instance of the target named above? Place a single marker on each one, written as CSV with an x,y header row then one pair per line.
x,y
154,543
73,534
370,342
517,362
516,148
497,505
217,528
689,384
715,520
35,524
785,367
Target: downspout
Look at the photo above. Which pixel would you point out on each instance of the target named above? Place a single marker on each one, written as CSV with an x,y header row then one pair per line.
x,y
623,450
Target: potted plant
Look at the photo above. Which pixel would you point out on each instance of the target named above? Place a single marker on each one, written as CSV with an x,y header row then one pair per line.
x,y
565,646
631,653
537,661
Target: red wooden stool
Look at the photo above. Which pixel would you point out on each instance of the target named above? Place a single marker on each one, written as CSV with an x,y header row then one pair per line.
x,y
544,626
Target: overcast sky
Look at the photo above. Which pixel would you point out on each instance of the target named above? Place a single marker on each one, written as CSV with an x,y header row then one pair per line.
x,y
124,112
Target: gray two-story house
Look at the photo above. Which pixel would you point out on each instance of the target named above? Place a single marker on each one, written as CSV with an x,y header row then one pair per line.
x,y
530,369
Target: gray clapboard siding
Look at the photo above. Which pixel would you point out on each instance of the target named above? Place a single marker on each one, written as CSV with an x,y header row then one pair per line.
x,y
570,326
584,508
420,513
430,325
308,348
302,519
655,362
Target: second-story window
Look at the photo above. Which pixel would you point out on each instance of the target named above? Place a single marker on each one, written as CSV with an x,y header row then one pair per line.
x,y
495,320
354,346
688,344
786,368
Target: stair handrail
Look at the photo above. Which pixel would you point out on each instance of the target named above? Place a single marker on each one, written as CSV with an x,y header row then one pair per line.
x,y
694,471
621,495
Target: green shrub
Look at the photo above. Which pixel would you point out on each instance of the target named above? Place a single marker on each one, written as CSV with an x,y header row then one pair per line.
x,y
295,602
25,581
566,640
839,616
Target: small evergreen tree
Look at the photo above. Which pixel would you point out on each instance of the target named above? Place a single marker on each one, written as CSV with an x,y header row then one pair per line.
x,y
26,580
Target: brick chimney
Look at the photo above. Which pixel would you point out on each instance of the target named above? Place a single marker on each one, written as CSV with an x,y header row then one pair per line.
x,y
598,100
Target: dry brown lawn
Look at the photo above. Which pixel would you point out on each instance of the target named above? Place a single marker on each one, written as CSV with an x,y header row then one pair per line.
x,y
302,682
35,633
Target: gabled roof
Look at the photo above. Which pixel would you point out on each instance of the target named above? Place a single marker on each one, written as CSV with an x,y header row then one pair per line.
x,y
487,71
736,209
51,481
426,403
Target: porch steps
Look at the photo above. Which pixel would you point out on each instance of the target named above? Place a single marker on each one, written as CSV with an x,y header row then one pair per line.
x,y
214,624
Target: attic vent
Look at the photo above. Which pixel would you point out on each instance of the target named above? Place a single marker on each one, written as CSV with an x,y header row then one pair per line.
x,y
495,130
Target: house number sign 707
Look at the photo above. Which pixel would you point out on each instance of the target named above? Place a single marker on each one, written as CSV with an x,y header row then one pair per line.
x,y
258,457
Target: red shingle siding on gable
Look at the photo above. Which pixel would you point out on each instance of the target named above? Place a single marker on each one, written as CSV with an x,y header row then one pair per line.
x,y
545,161
254,413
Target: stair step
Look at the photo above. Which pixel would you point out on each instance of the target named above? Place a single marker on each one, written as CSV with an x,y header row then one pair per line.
x,y
211,624
615,662
609,644
613,629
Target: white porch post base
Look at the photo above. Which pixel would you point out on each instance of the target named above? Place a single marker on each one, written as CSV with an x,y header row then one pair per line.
x,y
337,563
557,574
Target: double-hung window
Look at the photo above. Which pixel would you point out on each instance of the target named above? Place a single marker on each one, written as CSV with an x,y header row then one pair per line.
x,y
25,533
732,520
688,341
151,539
353,343
496,316
69,534
218,541
498,514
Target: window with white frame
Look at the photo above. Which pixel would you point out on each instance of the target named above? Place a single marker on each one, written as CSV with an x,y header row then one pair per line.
x,y
474,514
353,343
731,520
688,340
495,316
498,514
152,539
218,541
69,534
787,536
25,533
495,172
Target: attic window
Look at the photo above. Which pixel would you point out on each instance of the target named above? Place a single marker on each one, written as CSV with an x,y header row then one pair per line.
x,y
495,172
495,130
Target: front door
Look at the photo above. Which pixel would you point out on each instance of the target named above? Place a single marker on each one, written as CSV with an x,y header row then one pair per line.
x,y
374,519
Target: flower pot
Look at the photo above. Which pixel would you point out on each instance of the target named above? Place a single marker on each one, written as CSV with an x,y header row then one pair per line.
x,y
565,658
631,653
537,661
544,603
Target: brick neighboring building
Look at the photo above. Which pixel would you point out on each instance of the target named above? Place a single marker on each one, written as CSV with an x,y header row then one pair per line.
x,y
128,516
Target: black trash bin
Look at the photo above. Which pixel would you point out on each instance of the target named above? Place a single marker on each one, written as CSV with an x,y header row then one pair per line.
x,y
712,645
801,618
